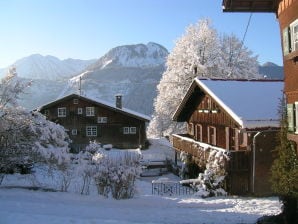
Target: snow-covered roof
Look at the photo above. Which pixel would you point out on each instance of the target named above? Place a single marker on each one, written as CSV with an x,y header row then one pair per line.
x,y
102,103
251,103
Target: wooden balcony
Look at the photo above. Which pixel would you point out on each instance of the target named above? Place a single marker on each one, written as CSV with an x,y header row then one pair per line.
x,y
238,162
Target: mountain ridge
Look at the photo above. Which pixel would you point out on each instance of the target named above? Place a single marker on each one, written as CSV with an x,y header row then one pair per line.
x,y
131,70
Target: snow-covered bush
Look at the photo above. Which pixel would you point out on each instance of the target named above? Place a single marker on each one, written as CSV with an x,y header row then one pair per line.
x,y
116,173
211,181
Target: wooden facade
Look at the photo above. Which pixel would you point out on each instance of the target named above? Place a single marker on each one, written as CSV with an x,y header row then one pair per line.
x,y
250,149
87,120
287,14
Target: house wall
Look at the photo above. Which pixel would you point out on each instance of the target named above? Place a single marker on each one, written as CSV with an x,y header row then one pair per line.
x,y
111,132
288,13
209,114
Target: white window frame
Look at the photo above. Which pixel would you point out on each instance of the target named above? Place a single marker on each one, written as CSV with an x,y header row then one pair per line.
x,y
132,130
212,138
74,131
90,111
126,130
61,111
294,35
91,131
75,101
102,120
80,110
129,130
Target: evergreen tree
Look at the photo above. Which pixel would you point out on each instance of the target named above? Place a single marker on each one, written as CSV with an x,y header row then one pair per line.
x,y
285,173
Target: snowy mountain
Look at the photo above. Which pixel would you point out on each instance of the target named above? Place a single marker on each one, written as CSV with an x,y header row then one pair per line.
x,y
48,67
130,70
135,56
271,71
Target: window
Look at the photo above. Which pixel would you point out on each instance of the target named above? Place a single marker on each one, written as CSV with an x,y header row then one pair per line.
x,y
198,132
234,139
294,35
80,110
129,130
290,38
102,120
74,131
190,128
62,112
89,111
75,101
212,135
133,130
126,130
91,131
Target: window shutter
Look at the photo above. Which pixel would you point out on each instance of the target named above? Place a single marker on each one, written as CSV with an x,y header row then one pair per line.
x,y
286,40
290,115
296,117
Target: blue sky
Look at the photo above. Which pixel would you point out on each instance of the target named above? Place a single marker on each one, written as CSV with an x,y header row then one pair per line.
x,y
87,29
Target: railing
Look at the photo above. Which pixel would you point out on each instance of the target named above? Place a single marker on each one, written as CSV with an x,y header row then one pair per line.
x,y
184,143
169,188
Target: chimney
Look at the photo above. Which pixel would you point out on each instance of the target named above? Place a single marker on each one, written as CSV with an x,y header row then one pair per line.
x,y
119,101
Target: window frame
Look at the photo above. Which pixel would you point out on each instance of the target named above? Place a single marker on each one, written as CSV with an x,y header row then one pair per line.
x,y
74,131
211,138
90,111
133,130
80,110
199,138
75,101
61,111
294,35
126,130
91,131
102,120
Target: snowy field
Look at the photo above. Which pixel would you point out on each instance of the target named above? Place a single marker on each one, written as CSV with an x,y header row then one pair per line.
x,y
19,205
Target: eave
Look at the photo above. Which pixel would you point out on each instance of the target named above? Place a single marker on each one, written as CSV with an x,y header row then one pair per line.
x,y
250,5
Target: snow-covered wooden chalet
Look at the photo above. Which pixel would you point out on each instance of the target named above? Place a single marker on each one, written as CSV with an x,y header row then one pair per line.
x,y
88,119
239,117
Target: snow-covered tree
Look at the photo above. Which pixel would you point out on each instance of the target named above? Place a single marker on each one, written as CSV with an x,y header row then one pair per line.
x,y
26,137
237,61
198,53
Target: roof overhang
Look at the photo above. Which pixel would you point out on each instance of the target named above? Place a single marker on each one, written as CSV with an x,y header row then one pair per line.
x,y
197,88
125,111
250,5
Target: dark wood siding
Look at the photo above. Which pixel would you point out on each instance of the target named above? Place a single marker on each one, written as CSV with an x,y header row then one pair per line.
x,y
111,132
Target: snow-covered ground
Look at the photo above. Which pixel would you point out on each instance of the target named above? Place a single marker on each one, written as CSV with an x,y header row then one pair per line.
x,y
19,205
